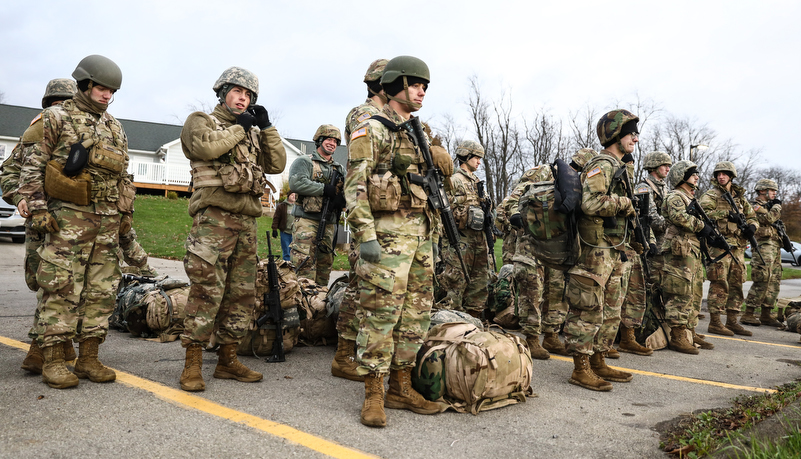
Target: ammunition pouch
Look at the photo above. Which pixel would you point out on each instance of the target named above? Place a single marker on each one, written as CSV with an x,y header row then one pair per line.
x,y
311,204
125,204
244,178
384,192
107,157
475,218
77,190
104,187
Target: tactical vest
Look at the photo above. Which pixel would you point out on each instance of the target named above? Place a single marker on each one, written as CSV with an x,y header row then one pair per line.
x,y
658,194
468,213
766,231
314,204
592,226
727,228
677,237
237,171
388,192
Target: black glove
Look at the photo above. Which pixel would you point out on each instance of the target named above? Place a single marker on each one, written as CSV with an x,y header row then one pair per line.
x,y
651,250
330,190
774,202
516,220
719,243
705,232
275,232
749,231
733,217
245,120
339,202
262,118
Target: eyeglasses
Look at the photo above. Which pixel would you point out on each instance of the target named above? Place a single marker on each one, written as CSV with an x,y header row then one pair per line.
x,y
635,134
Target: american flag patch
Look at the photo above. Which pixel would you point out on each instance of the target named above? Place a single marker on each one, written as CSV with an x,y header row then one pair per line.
x,y
642,189
593,172
363,117
358,133
757,207
38,117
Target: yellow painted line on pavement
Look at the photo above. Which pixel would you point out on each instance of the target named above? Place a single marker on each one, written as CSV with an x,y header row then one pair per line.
x,y
791,346
680,378
195,402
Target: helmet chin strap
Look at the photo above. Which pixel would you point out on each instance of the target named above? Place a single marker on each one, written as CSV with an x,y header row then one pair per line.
x,y
408,101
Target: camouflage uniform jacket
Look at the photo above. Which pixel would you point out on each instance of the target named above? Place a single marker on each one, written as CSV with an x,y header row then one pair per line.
x,y
372,150
603,198
64,126
12,166
524,250
767,234
463,194
682,227
214,141
717,209
308,176
656,190
359,115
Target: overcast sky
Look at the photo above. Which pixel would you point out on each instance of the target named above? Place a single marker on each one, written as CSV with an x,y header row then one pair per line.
x,y
733,65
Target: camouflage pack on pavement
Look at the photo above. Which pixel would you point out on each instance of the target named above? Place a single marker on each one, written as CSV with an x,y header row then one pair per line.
x,y
150,308
317,322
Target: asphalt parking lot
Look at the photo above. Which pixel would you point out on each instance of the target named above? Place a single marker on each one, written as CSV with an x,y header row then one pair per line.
x,y
300,410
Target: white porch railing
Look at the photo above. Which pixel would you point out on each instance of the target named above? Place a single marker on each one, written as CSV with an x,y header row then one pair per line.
x,y
159,173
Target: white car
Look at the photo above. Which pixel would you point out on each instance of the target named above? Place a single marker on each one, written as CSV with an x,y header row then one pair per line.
x,y
12,224
786,256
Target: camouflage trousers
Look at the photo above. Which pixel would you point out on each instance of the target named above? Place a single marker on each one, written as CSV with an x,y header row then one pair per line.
x,y
508,246
767,277
395,296
318,260
33,240
682,289
349,311
553,307
633,309
726,278
78,275
528,280
220,262
595,293
460,294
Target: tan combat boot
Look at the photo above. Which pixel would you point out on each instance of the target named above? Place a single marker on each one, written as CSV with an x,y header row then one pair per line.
x,y
54,371
767,319
553,344
33,360
628,342
699,340
749,318
715,326
679,341
192,377
402,396
344,364
599,367
373,408
612,353
537,352
229,367
69,351
731,324
583,375
87,365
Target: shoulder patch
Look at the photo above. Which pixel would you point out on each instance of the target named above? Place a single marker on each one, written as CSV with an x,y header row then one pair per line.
x,y
641,189
38,117
594,172
358,133
757,207
363,117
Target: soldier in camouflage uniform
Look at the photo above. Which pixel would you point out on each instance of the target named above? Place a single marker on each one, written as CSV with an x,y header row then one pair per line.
x,y
683,275
470,297
311,178
726,277
767,274
394,226
344,364
83,202
598,281
229,150
510,232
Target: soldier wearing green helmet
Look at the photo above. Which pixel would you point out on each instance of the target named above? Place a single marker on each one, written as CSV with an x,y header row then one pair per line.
x,y
229,150
726,276
766,272
394,225
344,363
468,211
311,177
83,206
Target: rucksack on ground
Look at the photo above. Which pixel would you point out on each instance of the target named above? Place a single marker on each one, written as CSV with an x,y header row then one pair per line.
x,y
473,370
150,307
317,322
549,209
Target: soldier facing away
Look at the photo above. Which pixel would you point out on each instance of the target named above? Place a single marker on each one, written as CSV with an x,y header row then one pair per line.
x,y
229,150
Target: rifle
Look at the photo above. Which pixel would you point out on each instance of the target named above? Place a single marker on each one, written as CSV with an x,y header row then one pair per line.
x,y
695,209
741,224
432,184
329,208
787,245
490,231
639,232
272,307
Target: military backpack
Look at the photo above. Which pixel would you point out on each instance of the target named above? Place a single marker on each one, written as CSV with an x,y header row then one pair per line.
x,y
150,307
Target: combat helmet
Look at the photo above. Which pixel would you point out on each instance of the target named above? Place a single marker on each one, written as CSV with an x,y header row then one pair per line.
x,y
59,88
468,148
655,159
99,69
375,70
407,66
766,184
611,124
725,166
325,131
680,172
237,76
581,158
